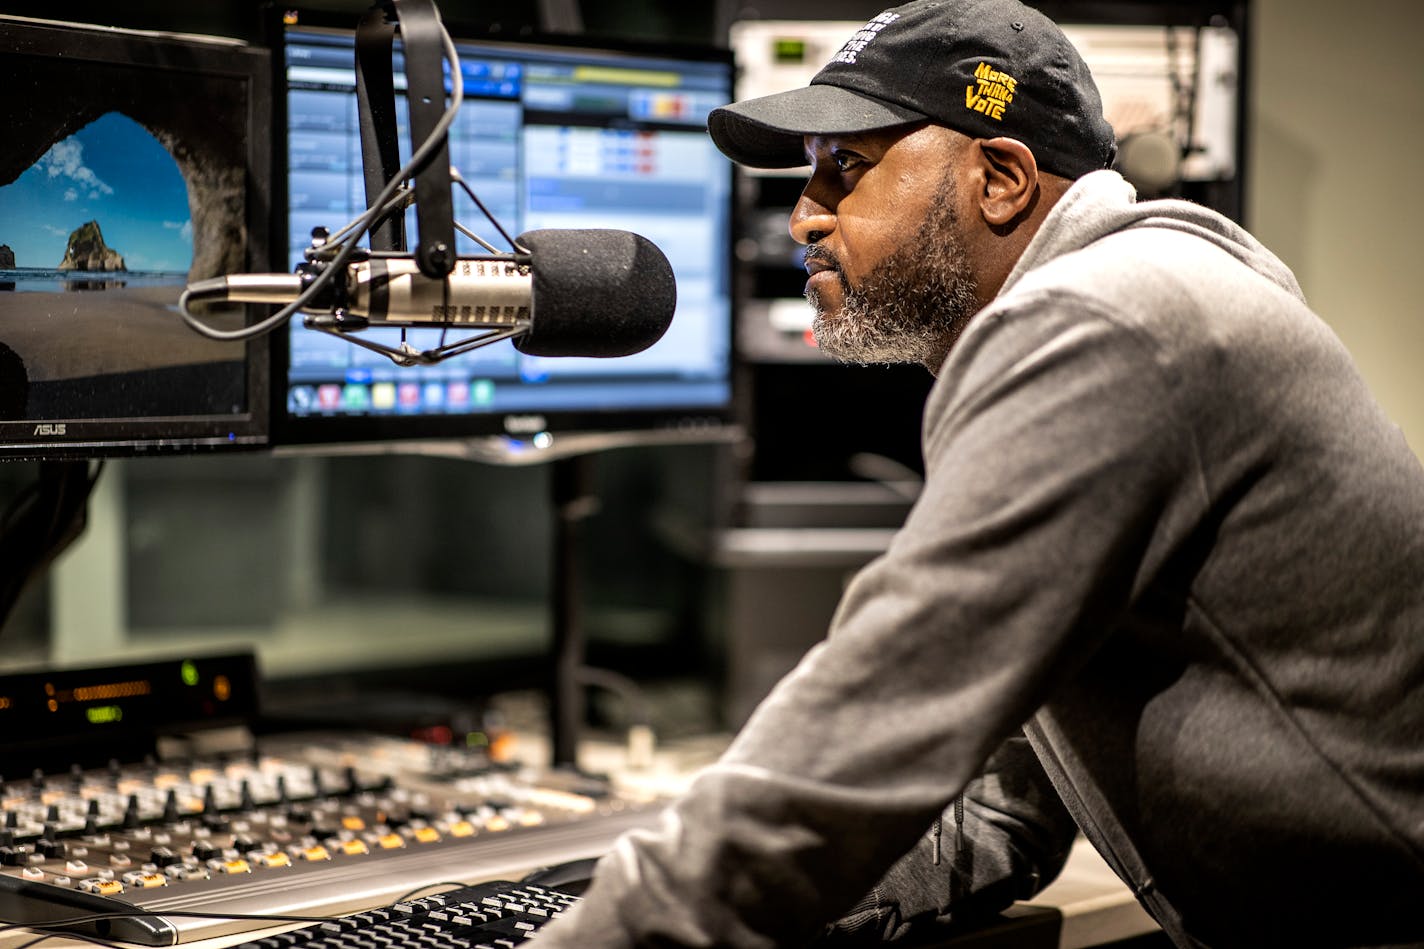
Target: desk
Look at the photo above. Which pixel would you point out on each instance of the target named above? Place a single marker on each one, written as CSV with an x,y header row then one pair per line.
x,y
1086,906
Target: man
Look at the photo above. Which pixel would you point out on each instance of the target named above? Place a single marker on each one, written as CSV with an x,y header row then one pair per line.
x,y
1165,583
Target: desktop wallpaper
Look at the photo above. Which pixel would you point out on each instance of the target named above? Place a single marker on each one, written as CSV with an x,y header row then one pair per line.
x,y
122,179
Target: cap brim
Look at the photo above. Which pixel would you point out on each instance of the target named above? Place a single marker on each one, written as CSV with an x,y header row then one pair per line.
x,y
768,132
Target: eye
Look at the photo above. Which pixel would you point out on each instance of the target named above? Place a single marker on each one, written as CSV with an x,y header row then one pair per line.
x,y
846,160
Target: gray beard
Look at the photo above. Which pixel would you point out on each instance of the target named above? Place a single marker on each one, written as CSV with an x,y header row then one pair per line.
x,y
911,307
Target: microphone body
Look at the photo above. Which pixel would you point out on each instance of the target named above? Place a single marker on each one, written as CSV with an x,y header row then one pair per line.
x,y
589,292
391,291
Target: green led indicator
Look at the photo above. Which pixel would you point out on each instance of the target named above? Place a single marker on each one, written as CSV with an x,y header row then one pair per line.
x,y
104,714
787,50
189,672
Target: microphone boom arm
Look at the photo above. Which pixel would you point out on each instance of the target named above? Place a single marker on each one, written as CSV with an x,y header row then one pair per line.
x,y
422,37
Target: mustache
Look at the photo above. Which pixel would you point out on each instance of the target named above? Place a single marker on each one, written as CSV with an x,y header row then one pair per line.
x,y
820,254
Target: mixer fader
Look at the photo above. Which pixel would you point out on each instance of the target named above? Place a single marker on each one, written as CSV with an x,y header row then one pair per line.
x,y
310,824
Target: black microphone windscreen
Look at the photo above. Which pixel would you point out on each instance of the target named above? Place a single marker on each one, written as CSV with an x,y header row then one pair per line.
x,y
596,293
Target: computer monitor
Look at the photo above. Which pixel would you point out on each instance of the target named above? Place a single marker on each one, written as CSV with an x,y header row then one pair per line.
x,y
133,163
552,134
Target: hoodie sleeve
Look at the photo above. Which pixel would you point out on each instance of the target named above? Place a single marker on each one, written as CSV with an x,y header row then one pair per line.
x,y
1052,453
1004,839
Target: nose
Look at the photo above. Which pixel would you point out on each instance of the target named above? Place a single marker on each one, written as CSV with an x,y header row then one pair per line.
x,y
811,221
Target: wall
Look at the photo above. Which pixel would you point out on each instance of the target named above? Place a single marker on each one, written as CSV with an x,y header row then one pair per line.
x,y
1334,185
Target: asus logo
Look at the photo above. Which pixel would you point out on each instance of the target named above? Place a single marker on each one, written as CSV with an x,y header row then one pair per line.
x,y
525,424
45,428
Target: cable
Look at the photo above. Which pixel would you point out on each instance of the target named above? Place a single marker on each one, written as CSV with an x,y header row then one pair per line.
x,y
356,228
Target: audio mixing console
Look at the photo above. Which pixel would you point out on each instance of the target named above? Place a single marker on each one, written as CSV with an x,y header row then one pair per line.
x,y
314,823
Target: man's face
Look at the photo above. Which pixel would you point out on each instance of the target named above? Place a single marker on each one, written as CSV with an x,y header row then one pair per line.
x,y
889,278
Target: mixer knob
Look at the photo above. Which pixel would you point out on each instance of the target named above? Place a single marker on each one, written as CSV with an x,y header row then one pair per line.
x,y
15,856
164,857
170,807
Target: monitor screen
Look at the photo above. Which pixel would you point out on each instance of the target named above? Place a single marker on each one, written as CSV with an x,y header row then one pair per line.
x,y
133,163
550,135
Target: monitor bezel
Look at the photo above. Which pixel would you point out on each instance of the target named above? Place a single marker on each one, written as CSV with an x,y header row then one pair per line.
x,y
681,422
146,435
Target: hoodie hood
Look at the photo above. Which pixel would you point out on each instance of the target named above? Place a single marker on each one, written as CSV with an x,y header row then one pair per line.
x,y
1102,203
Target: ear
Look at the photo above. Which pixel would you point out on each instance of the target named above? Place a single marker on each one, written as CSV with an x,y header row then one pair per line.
x,y
1010,180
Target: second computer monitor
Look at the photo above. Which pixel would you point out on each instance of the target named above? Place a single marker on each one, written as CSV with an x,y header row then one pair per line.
x,y
551,135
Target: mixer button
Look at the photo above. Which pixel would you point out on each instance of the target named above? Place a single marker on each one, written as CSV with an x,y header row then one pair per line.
x,y
427,835
273,860
102,887
391,841
32,873
314,853
164,857
144,880
355,847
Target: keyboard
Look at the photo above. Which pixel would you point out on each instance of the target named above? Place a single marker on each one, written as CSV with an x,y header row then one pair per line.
x,y
494,915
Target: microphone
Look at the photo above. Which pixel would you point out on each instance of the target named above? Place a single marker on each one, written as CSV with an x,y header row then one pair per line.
x,y
588,292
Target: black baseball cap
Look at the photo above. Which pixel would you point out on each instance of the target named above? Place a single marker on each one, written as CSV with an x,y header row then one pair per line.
x,y
985,68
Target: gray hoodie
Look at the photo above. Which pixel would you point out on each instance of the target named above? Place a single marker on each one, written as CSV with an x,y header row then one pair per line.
x,y
1169,537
